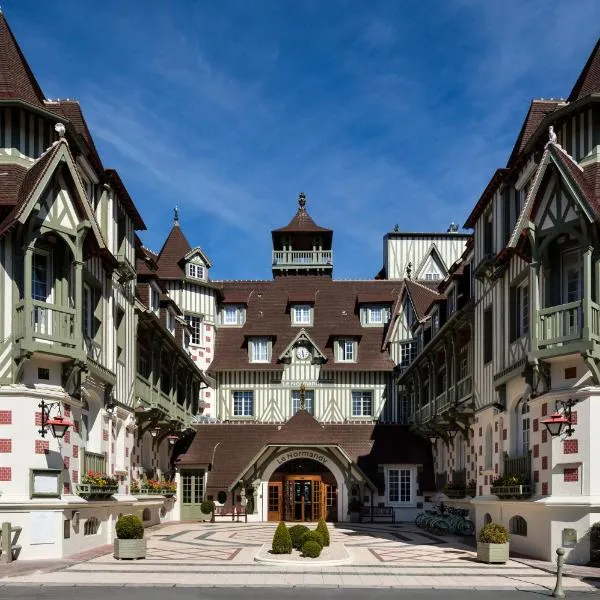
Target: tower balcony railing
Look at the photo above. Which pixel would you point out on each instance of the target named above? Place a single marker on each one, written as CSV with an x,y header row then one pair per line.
x,y
302,258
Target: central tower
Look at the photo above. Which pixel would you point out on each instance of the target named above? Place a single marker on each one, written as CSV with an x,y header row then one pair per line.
x,y
302,247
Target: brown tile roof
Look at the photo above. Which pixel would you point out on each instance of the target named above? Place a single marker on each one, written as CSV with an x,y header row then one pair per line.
x,y
16,78
422,296
229,447
301,222
538,109
383,296
11,178
170,257
588,81
335,315
125,199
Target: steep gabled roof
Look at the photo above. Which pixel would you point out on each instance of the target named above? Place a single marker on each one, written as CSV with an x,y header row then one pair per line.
x,y
422,296
171,255
17,81
11,178
588,81
302,222
538,109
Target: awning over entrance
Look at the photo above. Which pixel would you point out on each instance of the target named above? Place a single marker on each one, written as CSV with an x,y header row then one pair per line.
x,y
234,452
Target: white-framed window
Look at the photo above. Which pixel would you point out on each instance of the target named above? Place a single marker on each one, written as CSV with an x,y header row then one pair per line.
x,y
301,314
451,301
399,485
259,350
171,322
362,403
231,315
243,403
346,351
432,276
309,401
408,351
154,299
197,328
196,271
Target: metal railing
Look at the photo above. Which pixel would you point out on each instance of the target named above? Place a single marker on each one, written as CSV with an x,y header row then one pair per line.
x,y
302,258
464,388
9,536
518,465
93,461
460,477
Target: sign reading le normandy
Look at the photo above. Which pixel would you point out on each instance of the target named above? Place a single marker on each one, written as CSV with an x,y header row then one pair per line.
x,y
293,454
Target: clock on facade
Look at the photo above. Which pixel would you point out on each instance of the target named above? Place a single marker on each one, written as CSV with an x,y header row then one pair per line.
x,y
302,352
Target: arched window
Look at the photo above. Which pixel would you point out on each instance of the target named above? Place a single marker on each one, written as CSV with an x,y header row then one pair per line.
x,y
146,515
489,448
91,526
523,426
518,525
487,519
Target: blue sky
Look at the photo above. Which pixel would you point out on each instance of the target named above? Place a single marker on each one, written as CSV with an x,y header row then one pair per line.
x,y
381,112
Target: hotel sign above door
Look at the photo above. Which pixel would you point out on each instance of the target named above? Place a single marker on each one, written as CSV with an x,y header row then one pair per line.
x,y
302,453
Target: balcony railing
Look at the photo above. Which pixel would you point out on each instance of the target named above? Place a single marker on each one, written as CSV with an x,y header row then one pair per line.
x,y
46,322
153,397
460,477
518,465
302,258
560,324
443,401
464,388
93,461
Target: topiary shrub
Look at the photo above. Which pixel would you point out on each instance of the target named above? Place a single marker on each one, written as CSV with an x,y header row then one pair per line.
x,y
324,531
313,536
207,507
311,549
296,534
282,542
222,496
493,533
129,527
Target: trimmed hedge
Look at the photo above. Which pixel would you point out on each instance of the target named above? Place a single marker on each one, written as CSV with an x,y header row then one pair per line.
x,y
312,536
493,533
324,531
297,534
282,542
129,527
311,549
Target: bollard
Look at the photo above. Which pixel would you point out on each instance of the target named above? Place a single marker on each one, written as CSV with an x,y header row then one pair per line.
x,y
6,543
560,559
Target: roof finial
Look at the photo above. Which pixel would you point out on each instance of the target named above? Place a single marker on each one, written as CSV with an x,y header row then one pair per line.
x,y
409,270
302,200
60,129
551,135
175,216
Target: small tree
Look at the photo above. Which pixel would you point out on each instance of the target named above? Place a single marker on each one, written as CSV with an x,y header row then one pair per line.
x,y
129,527
311,549
313,536
493,533
324,531
282,542
296,534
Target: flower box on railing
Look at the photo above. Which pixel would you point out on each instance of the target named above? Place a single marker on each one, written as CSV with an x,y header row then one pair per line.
x,y
455,494
167,492
511,491
95,492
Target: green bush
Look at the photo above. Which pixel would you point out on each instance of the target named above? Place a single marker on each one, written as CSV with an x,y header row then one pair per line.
x,y
129,527
493,533
222,496
311,549
296,534
324,531
207,507
313,536
282,542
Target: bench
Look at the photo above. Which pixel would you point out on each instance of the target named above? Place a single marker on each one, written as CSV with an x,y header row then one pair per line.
x,y
377,513
234,514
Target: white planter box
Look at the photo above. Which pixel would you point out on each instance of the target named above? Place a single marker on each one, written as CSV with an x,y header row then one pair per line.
x,y
492,553
132,549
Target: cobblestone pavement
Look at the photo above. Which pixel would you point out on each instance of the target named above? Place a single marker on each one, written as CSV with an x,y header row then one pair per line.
x,y
222,554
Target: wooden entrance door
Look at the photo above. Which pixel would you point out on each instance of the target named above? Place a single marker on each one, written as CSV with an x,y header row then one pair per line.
x,y
303,498
275,501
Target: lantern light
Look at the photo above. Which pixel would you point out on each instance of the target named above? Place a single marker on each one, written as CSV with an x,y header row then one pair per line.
x,y
557,422
59,425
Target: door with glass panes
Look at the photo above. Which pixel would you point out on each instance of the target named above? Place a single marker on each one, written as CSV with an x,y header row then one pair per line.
x,y
192,494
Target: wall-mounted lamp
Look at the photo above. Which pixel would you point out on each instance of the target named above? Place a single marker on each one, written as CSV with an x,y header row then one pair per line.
x,y
172,439
154,431
451,433
58,425
557,421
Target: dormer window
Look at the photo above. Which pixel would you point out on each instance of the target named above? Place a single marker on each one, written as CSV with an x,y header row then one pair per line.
x,y
375,314
196,271
154,299
171,322
260,350
346,350
232,315
302,314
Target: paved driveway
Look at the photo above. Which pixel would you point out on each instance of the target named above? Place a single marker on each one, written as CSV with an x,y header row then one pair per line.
x,y
222,554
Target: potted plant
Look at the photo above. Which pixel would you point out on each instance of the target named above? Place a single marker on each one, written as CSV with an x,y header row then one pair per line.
x,y
354,507
454,490
130,542
169,488
511,486
595,545
492,544
207,510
